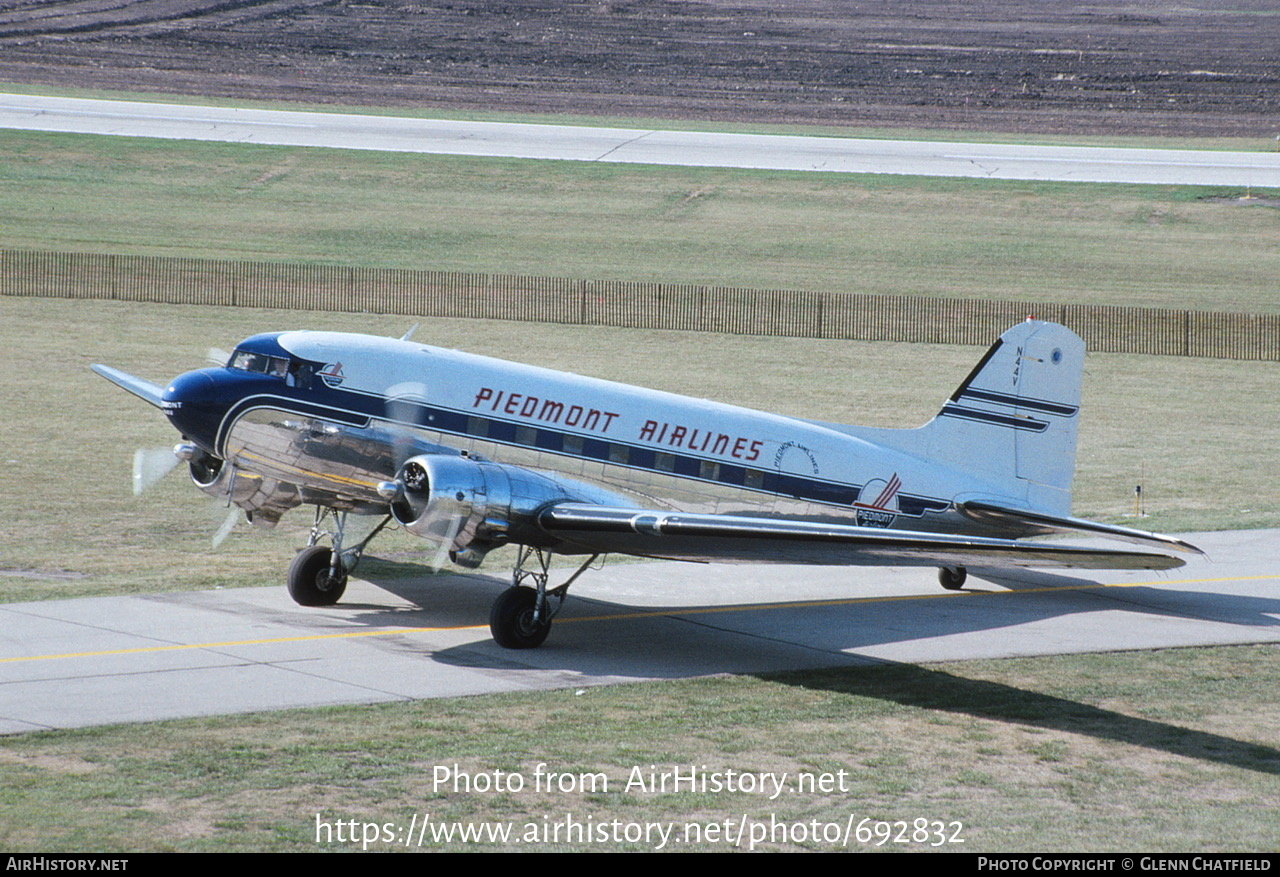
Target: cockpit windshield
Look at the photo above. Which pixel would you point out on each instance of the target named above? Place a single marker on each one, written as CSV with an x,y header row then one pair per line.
x,y
294,372
259,363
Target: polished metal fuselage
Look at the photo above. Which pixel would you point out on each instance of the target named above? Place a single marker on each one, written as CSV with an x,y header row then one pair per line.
x,y
375,402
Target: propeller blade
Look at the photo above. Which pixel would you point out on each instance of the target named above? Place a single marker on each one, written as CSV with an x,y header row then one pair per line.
x,y
228,524
402,410
149,466
441,557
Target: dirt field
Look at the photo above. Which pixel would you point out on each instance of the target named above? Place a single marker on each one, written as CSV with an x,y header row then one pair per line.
x,y
1192,67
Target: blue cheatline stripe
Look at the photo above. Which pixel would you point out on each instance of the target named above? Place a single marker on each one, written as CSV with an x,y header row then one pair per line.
x,y
1019,402
361,408
994,419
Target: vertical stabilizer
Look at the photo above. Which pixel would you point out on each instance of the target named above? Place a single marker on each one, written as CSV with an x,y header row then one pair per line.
x,y
1014,417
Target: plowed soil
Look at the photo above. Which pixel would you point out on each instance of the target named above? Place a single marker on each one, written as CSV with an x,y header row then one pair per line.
x,y
1189,68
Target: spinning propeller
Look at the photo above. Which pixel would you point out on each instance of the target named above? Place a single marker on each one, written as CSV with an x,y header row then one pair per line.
x,y
400,413
151,465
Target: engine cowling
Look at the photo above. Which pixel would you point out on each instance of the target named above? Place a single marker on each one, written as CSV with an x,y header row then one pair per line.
x,y
470,506
264,499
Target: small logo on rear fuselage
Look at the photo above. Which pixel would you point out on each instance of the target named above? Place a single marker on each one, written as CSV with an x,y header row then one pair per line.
x,y
877,504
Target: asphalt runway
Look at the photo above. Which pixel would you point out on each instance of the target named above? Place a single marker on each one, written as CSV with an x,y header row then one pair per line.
x,y
96,661
640,146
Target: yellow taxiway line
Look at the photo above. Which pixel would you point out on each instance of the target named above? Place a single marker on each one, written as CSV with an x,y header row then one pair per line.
x,y
652,613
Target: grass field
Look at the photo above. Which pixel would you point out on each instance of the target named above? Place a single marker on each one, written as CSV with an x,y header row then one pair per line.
x,y
1196,433
1169,751
1052,242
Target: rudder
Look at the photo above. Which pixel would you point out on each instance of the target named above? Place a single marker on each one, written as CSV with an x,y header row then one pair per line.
x,y
1014,417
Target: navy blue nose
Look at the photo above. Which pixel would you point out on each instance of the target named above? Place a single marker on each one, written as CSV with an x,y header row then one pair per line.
x,y
196,386
195,407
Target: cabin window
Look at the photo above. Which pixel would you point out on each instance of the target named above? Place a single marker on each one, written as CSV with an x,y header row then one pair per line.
x,y
734,475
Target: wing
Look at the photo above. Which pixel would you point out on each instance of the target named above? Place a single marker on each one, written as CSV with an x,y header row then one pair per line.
x,y
702,537
144,390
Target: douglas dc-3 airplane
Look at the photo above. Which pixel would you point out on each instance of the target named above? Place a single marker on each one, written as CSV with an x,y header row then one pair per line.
x,y
471,453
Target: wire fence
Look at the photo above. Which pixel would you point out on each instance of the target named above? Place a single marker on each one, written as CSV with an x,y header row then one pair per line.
x,y
1162,331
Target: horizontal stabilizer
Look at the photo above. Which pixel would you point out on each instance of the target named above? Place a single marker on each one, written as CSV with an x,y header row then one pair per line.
x,y
703,537
1040,523
144,390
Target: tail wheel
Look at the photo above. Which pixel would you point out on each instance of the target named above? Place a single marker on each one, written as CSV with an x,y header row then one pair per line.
x,y
311,580
512,623
952,578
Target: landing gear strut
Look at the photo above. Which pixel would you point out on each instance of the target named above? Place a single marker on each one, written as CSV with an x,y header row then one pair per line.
x,y
521,616
318,575
952,578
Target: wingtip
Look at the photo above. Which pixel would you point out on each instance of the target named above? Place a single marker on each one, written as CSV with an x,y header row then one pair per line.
x,y
1187,547
148,392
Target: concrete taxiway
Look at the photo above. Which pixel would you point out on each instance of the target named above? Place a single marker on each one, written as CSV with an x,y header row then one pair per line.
x,y
94,661
641,146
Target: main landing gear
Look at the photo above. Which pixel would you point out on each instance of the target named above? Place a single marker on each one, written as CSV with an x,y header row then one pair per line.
x,y
313,579
952,577
318,575
519,619
521,616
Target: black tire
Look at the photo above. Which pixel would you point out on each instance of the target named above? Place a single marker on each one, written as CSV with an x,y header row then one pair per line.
x,y
952,578
511,620
310,581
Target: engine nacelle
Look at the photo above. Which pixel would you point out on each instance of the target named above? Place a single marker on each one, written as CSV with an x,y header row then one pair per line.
x,y
264,499
470,506
206,469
